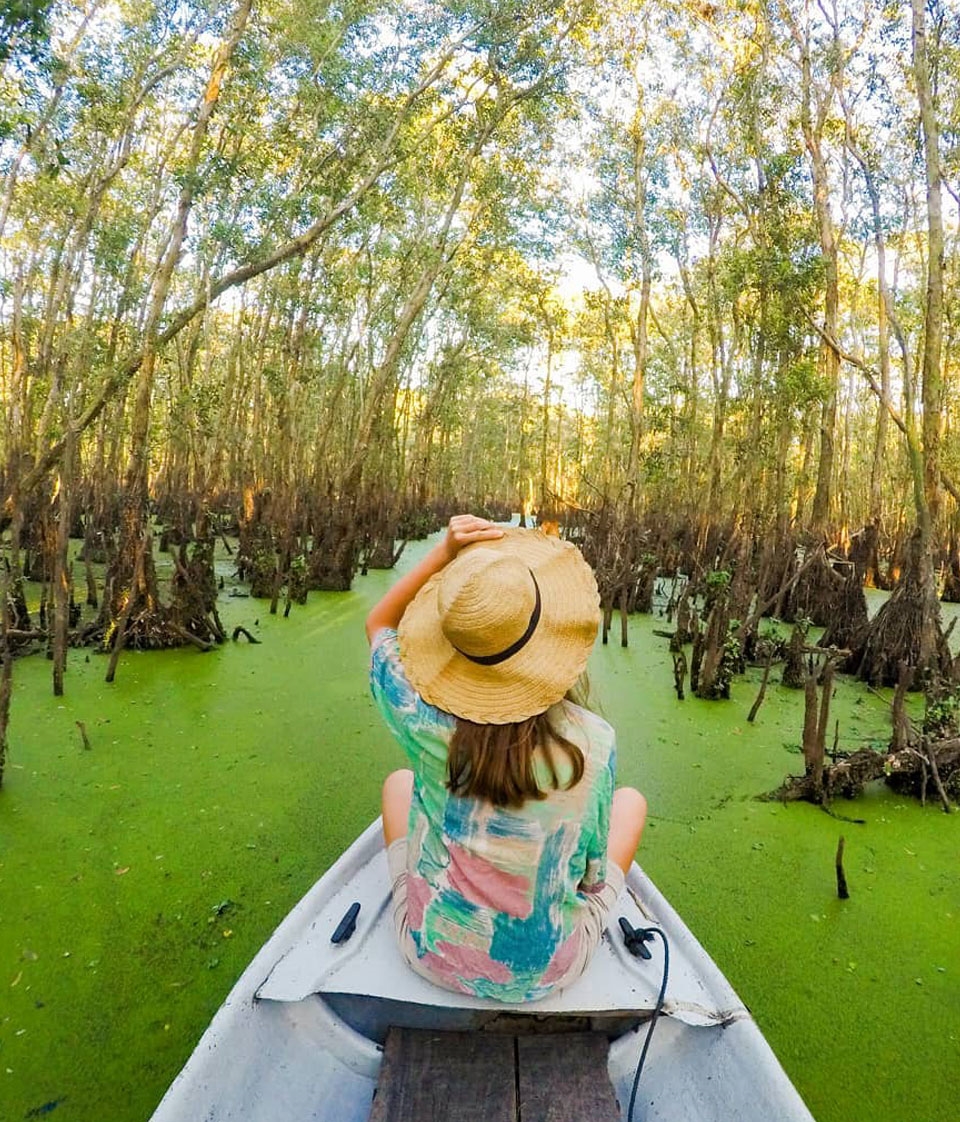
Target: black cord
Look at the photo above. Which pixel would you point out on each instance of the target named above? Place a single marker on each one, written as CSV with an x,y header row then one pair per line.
x,y
647,933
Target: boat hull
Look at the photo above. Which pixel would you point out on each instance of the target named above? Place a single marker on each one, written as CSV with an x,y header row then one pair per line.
x,y
300,1036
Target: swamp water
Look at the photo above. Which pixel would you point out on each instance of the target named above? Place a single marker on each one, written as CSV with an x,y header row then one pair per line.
x,y
137,879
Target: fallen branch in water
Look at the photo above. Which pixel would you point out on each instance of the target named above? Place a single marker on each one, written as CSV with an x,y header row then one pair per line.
x,y
904,770
188,636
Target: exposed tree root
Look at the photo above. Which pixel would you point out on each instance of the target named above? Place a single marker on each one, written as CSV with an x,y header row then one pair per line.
x,y
849,616
864,553
905,630
816,592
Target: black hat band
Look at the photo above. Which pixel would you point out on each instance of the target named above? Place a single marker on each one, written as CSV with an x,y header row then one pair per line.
x,y
509,652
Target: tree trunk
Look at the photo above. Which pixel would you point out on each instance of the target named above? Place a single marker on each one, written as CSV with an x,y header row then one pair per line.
x,y
142,620
6,671
60,577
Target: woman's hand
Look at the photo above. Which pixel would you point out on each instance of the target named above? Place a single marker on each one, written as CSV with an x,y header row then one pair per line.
x,y
465,529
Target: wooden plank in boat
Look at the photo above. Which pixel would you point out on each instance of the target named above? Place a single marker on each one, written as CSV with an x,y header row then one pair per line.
x,y
563,1077
447,1077
475,1077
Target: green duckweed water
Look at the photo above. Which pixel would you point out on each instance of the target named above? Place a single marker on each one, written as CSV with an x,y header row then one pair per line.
x,y
139,878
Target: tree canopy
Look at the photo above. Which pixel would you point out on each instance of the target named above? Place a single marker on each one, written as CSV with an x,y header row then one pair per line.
x,y
392,254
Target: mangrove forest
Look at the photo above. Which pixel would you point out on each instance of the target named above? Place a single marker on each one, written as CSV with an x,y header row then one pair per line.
x,y
285,285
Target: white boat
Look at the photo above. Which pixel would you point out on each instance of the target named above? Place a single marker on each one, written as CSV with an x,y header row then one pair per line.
x,y
301,1034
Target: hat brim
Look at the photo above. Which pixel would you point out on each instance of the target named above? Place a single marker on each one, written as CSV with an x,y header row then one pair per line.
x,y
541,672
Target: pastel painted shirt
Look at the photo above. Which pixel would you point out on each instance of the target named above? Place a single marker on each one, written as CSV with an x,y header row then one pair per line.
x,y
494,895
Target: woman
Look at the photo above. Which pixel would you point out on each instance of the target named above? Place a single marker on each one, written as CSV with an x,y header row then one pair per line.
x,y
506,842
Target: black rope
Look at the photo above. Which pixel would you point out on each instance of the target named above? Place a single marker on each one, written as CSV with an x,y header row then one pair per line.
x,y
635,937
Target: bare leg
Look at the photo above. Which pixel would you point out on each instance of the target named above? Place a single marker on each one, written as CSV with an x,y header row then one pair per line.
x,y
628,813
395,803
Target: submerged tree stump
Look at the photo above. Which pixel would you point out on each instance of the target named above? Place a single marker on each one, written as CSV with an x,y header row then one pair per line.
x,y
687,620
679,673
755,708
843,892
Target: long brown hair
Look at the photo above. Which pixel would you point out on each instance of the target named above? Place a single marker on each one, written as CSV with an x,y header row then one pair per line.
x,y
496,762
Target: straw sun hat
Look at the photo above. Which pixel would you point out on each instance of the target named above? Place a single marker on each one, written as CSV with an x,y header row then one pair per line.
x,y
502,632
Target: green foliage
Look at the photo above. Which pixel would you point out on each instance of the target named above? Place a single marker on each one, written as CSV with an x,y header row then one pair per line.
x,y
731,660
941,716
24,27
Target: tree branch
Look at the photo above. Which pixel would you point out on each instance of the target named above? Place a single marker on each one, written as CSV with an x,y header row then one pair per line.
x,y
871,376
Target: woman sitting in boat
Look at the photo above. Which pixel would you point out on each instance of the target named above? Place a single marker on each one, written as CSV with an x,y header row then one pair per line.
x,y
506,842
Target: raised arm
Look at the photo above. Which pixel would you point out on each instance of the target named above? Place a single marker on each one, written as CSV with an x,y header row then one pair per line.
x,y
463,529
